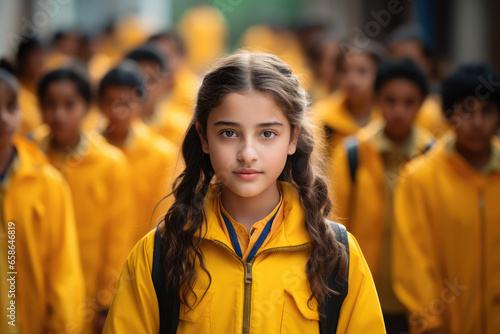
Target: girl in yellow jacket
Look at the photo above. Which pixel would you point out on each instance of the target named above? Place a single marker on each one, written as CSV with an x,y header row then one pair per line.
x,y
42,288
367,169
151,157
245,246
447,267
100,182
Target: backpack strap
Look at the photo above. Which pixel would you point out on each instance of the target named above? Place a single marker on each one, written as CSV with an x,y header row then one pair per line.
x,y
429,145
330,309
168,303
351,145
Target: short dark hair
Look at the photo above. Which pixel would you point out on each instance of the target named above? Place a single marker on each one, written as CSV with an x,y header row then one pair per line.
x,y
173,36
148,53
401,69
80,81
124,75
465,82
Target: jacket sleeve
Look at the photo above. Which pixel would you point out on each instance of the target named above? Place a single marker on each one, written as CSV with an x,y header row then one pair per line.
x,y
135,307
117,231
360,312
414,267
65,283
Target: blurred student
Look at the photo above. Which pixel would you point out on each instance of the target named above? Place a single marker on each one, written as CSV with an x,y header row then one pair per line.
x,y
185,80
352,107
407,42
100,182
151,157
167,119
38,238
367,168
30,59
325,58
447,265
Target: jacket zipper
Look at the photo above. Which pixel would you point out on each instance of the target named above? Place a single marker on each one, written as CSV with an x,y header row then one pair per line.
x,y
248,279
483,260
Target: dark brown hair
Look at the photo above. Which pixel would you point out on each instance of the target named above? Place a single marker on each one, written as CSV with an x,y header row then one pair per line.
x,y
239,72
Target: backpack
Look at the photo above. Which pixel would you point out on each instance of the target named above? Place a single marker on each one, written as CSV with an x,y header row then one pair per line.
x,y
169,303
351,145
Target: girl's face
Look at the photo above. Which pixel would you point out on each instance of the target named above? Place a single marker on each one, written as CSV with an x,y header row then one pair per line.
x,y
120,104
248,139
358,76
63,109
10,117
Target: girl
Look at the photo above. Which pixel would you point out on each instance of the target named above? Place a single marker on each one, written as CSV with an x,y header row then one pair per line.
x,y
38,241
246,247
99,179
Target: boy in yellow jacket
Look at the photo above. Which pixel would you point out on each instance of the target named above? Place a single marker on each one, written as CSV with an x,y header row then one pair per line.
x,y
151,157
99,179
42,287
367,170
447,263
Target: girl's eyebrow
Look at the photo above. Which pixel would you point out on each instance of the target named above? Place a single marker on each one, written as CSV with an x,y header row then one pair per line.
x,y
260,125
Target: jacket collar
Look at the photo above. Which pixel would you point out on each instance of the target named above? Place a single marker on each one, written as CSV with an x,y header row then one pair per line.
x,y
292,231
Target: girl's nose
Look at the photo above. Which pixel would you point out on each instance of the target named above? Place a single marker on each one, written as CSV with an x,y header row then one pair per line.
x,y
247,153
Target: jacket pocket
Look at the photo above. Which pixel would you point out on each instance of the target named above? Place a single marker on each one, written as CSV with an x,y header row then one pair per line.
x,y
198,319
299,316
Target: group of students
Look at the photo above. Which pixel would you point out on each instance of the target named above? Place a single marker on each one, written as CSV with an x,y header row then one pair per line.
x,y
226,199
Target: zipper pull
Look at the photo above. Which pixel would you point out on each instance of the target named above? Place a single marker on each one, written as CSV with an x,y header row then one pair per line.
x,y
248,273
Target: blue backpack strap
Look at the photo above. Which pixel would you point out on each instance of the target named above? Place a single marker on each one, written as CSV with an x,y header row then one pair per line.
x,y
428,146
351,145
330,309
168,303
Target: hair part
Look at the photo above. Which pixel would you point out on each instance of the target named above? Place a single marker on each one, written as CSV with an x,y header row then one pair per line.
x,y
183,222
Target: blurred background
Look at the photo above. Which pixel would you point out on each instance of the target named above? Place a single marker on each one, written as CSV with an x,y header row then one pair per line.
x,y
454,31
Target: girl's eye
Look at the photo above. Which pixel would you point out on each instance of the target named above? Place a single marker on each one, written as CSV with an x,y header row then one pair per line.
x,y
228,134
268,134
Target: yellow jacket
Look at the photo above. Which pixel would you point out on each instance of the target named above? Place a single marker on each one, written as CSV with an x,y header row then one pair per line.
x,y
333,113
279,290
31,116
50,290
152,160
361,207
447,268
100,182
431,117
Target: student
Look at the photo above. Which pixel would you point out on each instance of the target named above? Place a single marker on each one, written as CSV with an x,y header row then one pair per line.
x,y
37,232
165,118
364,185
325,58
446,269
249,207
408,42
351,107
151,158
30,60
100,182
